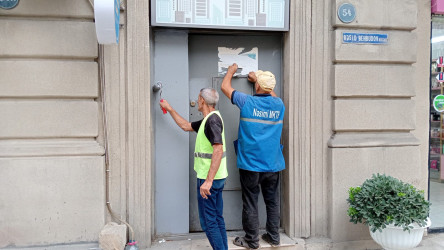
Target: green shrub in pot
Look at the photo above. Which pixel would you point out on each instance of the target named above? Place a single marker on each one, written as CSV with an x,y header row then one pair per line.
x,y
384,200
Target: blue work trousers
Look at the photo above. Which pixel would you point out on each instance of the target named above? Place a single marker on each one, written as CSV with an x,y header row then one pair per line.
x,y
211,214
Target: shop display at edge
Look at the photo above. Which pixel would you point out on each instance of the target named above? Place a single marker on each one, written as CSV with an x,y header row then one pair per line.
x,y
436,118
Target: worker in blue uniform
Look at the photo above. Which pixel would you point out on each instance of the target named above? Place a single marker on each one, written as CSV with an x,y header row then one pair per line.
x,y
259,154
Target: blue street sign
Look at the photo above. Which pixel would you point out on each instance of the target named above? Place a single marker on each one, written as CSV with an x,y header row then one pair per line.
x,y
8,4
364,38
346,12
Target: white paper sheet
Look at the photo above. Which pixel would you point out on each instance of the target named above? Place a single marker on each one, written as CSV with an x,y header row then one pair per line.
x,y
246,60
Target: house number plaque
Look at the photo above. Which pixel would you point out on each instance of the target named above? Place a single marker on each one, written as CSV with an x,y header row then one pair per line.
x,y
8,4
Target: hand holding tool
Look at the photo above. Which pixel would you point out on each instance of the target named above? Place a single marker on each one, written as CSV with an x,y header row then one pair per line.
x,y
161,100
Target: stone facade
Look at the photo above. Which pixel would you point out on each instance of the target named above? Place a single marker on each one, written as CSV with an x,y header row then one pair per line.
x,y
380,104
352,110
51,162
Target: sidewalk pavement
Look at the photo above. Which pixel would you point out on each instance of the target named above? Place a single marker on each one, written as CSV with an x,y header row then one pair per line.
x,y
199,242
429,242
432,241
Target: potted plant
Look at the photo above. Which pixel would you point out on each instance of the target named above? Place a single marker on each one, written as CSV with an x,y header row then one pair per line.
x,y
390,206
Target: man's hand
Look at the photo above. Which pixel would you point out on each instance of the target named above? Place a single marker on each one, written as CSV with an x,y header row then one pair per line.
x,y
216,158
252,77
205,189
232,69
164,104
180,121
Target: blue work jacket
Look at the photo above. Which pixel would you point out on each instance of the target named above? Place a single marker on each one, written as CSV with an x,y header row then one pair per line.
x,y
258,146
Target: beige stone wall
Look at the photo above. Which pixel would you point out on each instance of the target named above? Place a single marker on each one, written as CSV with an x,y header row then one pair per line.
x,y
128,96
51,165
371,98
380,103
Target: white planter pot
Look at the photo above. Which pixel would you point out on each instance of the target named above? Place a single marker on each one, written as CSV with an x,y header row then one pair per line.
x,y
394,238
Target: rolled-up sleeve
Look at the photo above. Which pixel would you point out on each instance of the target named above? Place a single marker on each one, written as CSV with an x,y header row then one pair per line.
x,y
213,129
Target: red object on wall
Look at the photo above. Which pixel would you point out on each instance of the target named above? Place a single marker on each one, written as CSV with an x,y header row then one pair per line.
x,y
434,164
438,6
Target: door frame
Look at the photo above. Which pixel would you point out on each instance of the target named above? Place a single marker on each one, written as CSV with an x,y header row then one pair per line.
x,y
307,96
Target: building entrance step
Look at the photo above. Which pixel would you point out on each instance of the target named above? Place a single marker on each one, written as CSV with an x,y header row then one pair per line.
x,y
201,243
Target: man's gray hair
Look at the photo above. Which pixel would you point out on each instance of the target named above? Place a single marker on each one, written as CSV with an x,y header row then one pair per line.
x,y
210,96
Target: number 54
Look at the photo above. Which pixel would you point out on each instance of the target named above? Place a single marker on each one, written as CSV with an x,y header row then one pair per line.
x,y
346,12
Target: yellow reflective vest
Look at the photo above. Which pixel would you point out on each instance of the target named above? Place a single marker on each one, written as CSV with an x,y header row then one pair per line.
x,y
204,151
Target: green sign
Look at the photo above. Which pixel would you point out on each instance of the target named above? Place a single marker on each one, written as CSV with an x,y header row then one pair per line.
x,y
438,103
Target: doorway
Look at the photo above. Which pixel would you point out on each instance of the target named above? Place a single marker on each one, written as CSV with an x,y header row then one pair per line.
x,y
181,89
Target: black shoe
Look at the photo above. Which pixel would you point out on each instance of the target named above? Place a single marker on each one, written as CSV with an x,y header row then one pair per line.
x,y
268,239
240,241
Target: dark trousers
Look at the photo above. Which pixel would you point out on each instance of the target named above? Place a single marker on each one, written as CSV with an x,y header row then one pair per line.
x,y
269,183
211,214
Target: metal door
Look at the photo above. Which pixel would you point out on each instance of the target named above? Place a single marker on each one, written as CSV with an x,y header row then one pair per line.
x,y
203,72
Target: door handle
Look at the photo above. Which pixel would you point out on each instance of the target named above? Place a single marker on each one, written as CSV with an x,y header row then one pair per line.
x,y
192,103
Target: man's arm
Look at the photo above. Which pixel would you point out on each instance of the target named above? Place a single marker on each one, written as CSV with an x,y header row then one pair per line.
x,y
180,121
218,151
226,87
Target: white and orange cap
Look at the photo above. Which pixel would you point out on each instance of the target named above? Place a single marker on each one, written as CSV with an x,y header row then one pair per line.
x,y
266,80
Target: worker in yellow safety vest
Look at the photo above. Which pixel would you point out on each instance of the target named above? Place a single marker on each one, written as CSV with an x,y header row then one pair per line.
x,y
209,164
